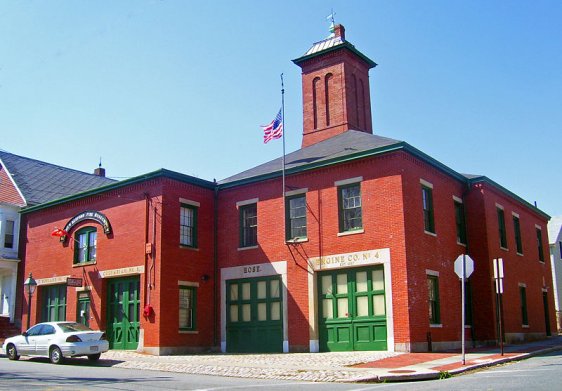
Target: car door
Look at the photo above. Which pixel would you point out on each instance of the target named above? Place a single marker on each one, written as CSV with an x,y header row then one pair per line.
x,y
26,346
43,340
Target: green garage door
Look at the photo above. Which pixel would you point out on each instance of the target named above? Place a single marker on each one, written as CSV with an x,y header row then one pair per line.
x,y
352,309
254,316
123,313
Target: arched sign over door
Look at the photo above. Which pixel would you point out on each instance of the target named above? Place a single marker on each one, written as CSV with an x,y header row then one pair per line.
x,y
93,215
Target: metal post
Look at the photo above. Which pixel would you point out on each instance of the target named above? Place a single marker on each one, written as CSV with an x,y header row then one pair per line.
x,y
463,305
28,310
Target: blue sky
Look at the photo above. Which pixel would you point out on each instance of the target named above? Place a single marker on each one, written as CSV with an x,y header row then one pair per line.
x,y
184,85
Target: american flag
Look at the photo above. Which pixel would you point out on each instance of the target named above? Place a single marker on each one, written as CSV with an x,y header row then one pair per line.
x,y
274,129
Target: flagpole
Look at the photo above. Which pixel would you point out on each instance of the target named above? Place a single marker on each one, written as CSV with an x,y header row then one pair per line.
x,y
283,171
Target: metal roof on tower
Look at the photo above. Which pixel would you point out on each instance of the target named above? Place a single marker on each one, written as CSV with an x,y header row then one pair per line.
x,y
332,43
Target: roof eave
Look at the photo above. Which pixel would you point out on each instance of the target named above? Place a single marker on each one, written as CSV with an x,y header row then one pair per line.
x,y
485,179
117,185
345,45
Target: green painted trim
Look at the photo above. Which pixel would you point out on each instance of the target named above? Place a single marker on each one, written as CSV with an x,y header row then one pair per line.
x,y
485,179
127,182
347,158
344,45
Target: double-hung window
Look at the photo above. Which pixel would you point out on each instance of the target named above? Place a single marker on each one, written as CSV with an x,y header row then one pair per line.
x,y
523,298
433,292
539,244
188,225
248,225
296,217
517,231
460,223
9,234
187,305
85,245
501,227
350,211
427,205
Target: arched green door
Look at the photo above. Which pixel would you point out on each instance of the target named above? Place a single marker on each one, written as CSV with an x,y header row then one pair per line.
x,y
123,313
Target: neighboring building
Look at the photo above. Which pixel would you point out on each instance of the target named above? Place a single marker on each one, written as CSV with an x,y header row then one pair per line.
x,y
27,182
555,242
356,253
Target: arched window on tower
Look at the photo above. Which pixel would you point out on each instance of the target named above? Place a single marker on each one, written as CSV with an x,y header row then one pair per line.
x,y
363,105
315,84
327,85
356,93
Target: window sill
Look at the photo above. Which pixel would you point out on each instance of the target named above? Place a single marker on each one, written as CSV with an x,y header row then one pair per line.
x,y
84,264
520,254
247,248
346,233
189,247
430,233
188,332
525,326
504,248
436,325
461,244
297,240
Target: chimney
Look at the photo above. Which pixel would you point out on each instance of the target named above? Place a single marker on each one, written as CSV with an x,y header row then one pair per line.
x,y
339,31
99,171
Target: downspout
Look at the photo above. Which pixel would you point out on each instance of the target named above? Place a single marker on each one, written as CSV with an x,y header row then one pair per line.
x,y
216,285
153,251
147,276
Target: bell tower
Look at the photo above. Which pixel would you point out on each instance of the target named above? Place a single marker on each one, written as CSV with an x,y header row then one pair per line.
x,y
335,89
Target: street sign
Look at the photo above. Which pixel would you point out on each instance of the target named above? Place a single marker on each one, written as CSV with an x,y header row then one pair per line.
x,y
498,268
71,281
468,266
464,266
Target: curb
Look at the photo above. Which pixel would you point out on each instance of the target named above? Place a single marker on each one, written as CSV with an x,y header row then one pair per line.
x,y
434,375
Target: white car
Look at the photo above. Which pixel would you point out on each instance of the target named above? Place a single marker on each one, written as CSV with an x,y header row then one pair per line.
x,y
57,340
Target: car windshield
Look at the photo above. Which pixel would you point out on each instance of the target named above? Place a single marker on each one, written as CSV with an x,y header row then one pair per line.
x,y
72,327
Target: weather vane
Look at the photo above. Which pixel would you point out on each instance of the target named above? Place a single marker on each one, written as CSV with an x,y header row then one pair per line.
x,y
332,24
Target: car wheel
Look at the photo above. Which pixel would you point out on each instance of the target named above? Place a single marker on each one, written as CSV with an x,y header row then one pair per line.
x,y
55,355
12,353
94,357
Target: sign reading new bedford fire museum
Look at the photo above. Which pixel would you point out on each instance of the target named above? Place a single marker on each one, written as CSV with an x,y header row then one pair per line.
x,y
358,258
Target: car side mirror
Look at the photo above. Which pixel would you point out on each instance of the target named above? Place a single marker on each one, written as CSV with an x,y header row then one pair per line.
x,y
24,334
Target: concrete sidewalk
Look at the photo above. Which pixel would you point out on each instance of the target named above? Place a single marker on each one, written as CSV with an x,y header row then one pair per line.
x,y
333,367
330,367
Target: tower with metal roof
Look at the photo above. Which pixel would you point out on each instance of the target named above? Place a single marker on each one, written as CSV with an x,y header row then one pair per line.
x,y
335,86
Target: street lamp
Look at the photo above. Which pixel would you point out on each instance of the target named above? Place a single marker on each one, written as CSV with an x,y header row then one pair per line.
x,y
29,287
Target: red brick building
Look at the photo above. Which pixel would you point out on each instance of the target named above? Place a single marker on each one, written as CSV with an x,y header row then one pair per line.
x,y
356,253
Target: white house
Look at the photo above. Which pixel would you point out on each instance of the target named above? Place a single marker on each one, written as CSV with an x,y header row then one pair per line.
x,y
555,242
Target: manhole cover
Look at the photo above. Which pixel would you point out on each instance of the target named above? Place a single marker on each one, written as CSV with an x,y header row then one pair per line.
x,y
401,371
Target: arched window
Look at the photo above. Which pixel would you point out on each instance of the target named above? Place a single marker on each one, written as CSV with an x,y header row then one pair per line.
x,y
327,85
363,105
354,78
85,245
315,83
